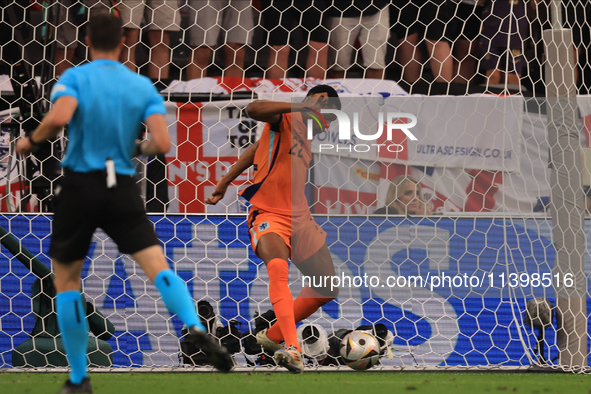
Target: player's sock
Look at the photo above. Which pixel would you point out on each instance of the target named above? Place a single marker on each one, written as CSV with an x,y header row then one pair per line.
x,y
71,319
176,298
308,302
280,296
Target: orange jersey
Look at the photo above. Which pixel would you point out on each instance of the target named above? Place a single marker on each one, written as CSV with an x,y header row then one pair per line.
x,y
281,165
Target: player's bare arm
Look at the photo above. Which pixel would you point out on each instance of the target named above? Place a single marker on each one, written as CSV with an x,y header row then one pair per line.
x,y
160,141
244,162
270,111
55,120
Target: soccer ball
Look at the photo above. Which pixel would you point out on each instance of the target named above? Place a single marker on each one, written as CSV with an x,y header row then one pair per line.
x,y
360,350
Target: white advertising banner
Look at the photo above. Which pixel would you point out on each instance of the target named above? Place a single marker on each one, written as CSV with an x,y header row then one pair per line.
x,y
284,89
476,132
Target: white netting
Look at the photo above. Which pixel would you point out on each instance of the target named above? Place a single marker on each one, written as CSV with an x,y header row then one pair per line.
x,y
482,161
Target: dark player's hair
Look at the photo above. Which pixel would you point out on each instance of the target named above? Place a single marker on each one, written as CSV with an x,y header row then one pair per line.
x,y
105,32
332,94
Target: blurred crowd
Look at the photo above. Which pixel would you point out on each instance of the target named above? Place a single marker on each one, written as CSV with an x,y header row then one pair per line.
x,y
467,42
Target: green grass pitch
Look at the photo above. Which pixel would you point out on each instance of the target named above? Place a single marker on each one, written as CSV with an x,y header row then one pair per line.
x,y
322,382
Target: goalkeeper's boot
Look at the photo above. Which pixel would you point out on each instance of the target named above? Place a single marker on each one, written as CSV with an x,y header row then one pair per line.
x,y
217,355
83,387
290,358
264,341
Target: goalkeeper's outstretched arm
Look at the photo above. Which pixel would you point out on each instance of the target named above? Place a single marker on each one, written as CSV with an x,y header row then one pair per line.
x,y
270,111
244,162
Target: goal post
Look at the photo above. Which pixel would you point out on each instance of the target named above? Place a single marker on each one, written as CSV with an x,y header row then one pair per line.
x,y
568,200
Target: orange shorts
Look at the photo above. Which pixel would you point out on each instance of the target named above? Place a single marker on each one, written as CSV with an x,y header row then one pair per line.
x,y
300,233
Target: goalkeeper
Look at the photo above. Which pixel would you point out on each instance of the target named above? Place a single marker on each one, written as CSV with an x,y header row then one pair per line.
x,y
280,224
104,104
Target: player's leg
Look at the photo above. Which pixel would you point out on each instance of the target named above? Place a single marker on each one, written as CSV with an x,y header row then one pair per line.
x,y
71,317
275,239
274,252
73,226
271,240
127,225
310,299
172,288
311,256
178,301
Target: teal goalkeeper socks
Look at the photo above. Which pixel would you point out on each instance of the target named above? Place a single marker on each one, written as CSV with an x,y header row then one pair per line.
x,y
71,318
176,298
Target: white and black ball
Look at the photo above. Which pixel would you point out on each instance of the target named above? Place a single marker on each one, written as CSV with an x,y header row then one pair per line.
x,y
360,350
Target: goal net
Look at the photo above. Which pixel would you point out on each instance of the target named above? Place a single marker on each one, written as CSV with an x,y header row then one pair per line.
x,y
479,110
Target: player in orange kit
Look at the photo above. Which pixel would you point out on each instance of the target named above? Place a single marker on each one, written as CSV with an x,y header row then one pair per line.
x,y
280,223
